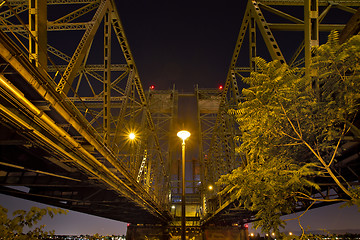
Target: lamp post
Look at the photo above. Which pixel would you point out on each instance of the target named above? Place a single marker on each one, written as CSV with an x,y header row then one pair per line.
x,y
183,135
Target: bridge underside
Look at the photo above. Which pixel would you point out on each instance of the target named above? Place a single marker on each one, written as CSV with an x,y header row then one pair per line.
x,y
63,123
33,167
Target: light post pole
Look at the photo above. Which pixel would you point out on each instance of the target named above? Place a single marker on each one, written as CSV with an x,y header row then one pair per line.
x,y
183,135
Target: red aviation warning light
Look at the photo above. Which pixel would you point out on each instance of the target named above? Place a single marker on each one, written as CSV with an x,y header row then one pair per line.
x,y
152,87
220,87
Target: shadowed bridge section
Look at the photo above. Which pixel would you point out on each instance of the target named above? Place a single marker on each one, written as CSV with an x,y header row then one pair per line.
x,y
70,95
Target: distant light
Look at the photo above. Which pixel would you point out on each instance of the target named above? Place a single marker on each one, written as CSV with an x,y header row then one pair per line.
x,y
152,87
128,224
273,234
290,233
220,87
183,134
251,234
132,136
246,226
210,187
173,206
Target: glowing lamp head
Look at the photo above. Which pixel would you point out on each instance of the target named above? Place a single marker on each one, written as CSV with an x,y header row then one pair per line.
x,y
132,136
183,134
210,187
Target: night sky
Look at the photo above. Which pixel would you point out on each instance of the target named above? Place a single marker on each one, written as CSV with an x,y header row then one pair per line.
x,y
183,43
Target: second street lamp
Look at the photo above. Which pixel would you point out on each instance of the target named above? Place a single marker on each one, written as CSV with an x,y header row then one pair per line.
x,y
183,135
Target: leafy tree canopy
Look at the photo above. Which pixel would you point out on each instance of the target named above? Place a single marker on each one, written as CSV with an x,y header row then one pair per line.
x,y
292,126
13,229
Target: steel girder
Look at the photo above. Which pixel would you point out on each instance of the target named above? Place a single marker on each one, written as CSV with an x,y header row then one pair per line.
x,y
289,18
224,208
218,132
90,93
163,105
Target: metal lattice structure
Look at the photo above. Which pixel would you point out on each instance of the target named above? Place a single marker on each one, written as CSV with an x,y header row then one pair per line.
x,y
75,97
309,23
303,22
70,94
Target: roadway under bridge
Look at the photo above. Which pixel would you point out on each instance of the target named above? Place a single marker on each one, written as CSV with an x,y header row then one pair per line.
x,y
66,115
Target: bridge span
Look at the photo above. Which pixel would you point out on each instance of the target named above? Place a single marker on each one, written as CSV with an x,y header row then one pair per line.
x,y
70,95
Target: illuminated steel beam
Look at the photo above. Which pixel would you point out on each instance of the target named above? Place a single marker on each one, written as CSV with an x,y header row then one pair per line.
x,y
51,2
50,27
311,35
302,2
266,33
107,79
261,11
19,8
300,27
38,33
77,13
84,113
68,77
91,67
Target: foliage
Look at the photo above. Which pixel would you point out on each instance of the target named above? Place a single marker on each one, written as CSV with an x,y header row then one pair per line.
x,y
292,126
257,186
12,229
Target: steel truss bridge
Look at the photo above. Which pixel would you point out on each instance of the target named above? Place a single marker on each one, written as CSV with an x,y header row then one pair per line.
x,y
71,94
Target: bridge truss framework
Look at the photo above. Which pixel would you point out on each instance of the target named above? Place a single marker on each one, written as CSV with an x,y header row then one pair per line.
x,y
71,94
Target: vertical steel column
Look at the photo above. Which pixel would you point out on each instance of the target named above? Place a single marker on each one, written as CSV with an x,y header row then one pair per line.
x,y
252,43
311,34
38,33
203,167
107,78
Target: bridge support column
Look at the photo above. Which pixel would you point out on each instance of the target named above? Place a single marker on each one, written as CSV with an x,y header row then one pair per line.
x,y
151,232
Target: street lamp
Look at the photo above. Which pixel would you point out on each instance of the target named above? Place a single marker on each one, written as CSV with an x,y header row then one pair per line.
x,y
132,136
183,135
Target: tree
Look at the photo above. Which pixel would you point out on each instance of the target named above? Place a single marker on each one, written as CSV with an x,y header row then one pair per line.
x,y
12,229
292,129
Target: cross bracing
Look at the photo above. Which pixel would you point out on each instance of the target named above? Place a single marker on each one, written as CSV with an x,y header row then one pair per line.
x,y
304,24
71,94
271,18
89,86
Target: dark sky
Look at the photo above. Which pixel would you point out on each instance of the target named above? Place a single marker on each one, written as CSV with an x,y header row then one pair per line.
x,y
182,43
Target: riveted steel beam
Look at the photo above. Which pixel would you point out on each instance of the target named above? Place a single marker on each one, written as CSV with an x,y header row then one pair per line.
x,y
38,33
69,75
